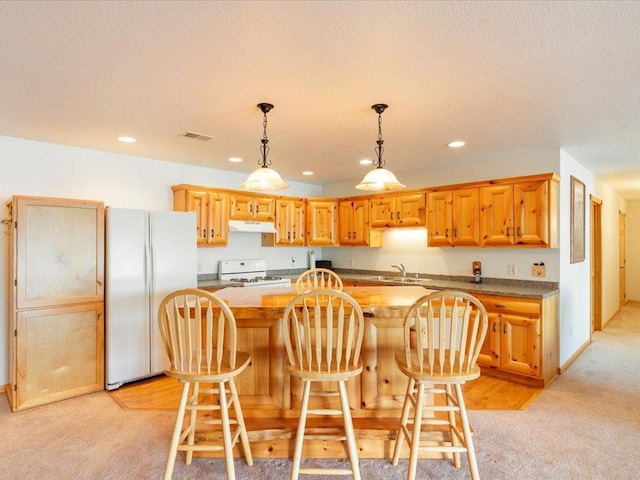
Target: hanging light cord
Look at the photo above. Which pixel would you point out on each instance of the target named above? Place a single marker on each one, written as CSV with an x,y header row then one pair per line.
x,y
380,149
264,149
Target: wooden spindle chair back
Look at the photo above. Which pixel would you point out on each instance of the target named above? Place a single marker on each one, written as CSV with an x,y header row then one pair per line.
x,y
443,334
323,332
315,278
199,333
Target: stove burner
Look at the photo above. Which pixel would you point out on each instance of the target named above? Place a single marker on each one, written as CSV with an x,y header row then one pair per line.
x,y
254,279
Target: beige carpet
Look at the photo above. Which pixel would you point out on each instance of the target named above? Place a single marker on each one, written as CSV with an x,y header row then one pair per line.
x,y
586,425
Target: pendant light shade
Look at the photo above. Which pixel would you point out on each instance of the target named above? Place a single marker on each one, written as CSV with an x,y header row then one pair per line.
x,y
264,178
379,179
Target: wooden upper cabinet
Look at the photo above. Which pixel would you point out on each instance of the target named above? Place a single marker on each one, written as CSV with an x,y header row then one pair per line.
x,y
252,207
290,224
535,207
440,220
353,224
466,217
453,218
212,214
521,214
398,211
322,222
496,215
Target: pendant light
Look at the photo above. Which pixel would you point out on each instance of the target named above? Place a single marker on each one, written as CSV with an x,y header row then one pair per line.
x,y
379,179
264,178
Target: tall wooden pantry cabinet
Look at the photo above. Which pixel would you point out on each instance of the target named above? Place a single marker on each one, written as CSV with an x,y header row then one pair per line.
x,y
56,299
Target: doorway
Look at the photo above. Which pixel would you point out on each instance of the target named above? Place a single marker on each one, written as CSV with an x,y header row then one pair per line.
x,y
622,227
596,264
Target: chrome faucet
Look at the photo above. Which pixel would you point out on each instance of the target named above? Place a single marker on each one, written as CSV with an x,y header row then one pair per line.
x,y
403,271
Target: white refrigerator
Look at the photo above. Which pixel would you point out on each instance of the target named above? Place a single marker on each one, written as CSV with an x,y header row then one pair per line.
x,y
148,255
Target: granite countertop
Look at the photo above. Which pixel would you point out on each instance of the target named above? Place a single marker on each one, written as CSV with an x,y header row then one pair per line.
x,y
489,286
511,288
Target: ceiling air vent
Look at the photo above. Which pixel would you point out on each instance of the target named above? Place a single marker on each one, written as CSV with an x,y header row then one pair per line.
x,y
198,136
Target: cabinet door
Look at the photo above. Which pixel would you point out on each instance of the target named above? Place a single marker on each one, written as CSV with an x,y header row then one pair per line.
x,y
496,215
360,223
490,353
199,202
383,212
531,213
297,209
242,207
411,210
59,353
218,219
283,222
264,209
321,222
59,251
440,220
345,222
466,217
521,344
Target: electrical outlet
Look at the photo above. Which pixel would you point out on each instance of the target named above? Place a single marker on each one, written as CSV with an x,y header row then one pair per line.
x,y
512,270
538,270
351,263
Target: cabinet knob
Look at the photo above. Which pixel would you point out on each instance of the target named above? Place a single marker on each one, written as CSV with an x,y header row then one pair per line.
x,y
504,329
494,327
446,233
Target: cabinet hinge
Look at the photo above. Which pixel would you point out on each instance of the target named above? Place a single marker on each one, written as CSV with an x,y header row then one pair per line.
x,y
15,224
15,282
15,387
15,333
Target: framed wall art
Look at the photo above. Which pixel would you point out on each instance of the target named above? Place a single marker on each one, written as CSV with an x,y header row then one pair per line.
x,y
578,206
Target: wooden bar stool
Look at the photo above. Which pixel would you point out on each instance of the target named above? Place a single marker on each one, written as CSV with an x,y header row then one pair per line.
x,y
443,335
318,278
199,334
323,332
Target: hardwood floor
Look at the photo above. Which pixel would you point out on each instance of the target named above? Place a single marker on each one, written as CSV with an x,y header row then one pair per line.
x,y
485,393
275,437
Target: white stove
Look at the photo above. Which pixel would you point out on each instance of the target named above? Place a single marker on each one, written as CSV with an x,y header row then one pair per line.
x,y
249,273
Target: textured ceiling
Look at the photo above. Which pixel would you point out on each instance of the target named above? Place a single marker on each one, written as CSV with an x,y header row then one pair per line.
x,y
507,77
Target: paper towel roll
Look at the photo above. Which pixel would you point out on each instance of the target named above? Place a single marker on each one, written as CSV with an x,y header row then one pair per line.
x,y
312,259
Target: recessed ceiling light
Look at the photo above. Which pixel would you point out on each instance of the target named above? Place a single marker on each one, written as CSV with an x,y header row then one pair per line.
x,y
235,160
127,139
365,161
307,173
456,144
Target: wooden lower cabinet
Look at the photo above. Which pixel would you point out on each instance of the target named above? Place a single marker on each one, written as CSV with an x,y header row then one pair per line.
x,y
60,354
522,340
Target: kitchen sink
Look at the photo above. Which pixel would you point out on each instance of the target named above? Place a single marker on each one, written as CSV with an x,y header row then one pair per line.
x,y
381,278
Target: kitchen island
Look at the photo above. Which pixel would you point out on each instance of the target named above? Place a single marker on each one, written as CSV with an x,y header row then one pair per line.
x,y
521,346
270,398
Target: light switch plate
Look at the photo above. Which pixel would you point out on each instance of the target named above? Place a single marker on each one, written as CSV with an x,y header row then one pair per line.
x,y
539,270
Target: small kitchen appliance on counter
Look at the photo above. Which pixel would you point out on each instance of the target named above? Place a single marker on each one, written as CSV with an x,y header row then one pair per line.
x,y
324,264
249,273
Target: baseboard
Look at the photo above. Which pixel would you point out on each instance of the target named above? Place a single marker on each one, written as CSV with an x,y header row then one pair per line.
x,y
604,324
3,388
563,368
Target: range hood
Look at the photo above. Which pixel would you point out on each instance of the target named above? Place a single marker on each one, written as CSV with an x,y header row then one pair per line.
x,y
251,226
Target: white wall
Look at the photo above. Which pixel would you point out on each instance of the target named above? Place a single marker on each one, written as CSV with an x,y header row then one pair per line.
x,y
575,278
633,250
42,169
